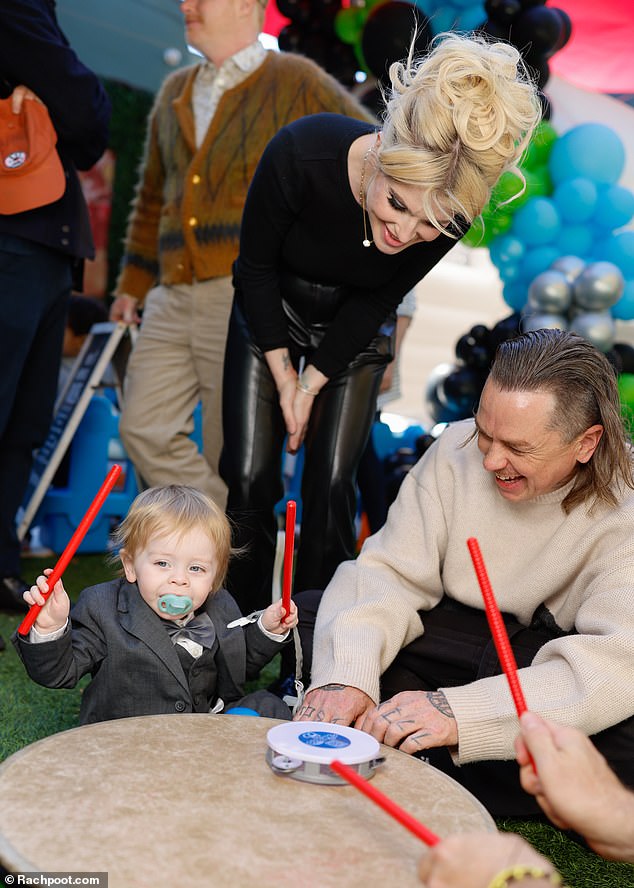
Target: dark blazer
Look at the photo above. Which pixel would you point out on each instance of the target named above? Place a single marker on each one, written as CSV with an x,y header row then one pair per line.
x,y
118,639
34,52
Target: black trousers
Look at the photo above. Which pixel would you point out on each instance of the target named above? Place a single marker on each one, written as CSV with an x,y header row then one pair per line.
x,y
35,284
457,648
250,465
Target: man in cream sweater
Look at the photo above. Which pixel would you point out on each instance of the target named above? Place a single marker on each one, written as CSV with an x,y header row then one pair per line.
x,y
543,479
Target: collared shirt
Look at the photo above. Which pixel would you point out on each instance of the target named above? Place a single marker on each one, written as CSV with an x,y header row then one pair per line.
x,y
212,82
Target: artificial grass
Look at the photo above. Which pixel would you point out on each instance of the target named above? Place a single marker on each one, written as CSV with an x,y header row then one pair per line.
x,y
30,712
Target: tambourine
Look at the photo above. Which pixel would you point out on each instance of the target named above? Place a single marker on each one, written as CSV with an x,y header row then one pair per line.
x,y
304,750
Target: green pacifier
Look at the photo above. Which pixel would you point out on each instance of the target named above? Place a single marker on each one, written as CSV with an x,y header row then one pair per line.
x,y
175,605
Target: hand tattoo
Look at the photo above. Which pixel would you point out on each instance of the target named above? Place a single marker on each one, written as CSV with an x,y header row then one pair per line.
x,y
389,717
439,702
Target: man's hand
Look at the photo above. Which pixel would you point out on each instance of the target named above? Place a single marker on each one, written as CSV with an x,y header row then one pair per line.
x,y
412,721
19,94
335,703
124,308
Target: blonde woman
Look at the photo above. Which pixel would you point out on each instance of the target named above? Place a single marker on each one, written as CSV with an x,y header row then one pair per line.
x,y
341,220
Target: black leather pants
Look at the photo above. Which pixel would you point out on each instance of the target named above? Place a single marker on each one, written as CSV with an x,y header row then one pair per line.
x,y
251,463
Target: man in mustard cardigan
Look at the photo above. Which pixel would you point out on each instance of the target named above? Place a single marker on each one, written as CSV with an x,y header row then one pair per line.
x,y
207,130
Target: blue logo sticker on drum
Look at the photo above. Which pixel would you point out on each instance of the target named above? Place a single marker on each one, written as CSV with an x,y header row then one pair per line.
x,y
325,739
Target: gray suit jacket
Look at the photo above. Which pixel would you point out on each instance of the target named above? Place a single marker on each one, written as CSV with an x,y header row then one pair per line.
x,y
118,639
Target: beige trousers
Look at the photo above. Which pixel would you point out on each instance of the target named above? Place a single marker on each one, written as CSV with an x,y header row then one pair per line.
x,y
176,362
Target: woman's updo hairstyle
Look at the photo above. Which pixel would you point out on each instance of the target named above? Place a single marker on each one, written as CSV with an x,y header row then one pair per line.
x,y
455,120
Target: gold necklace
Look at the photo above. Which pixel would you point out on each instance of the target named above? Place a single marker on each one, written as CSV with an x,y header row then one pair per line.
x,y
366,241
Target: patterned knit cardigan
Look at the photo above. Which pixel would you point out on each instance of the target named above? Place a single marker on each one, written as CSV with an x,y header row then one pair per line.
x,y
185,219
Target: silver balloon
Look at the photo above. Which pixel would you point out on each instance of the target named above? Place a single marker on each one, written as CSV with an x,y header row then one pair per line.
x,y
599,286
542,321
550,291
434,397
571,266
597,327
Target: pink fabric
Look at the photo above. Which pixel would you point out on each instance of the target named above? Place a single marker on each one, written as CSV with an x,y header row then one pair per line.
x,y
274,21
599,55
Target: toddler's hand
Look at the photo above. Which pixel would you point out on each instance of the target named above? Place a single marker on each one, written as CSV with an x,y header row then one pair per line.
x,y
274,620
55,608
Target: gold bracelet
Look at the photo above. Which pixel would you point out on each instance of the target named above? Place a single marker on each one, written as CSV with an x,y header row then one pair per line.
x,y
306,389
519,872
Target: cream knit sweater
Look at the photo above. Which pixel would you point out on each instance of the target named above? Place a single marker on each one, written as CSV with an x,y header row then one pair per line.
x,y
580,566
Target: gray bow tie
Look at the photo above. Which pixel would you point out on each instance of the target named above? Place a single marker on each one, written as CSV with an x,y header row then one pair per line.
x,y
199,629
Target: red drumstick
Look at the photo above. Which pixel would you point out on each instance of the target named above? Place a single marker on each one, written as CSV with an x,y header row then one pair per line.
x,y
405,819
71,548
498,629
289,546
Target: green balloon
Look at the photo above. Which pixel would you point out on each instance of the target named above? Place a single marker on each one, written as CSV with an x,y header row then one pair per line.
x,y
349,24
479,235
358,51
540,146
626,393
538,182
498,223
508,185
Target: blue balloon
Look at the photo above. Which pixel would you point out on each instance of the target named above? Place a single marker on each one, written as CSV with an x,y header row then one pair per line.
x,y
443,19
575,240
620,250
615,207
515,295
576,199
538,260
506,249
537,222
591,150
624,308
427,7
471,18
510,272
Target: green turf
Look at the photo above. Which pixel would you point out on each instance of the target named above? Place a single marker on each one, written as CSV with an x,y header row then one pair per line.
x,y
29,712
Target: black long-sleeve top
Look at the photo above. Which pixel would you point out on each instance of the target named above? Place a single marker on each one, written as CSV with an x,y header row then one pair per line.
x,y
34,52
302,217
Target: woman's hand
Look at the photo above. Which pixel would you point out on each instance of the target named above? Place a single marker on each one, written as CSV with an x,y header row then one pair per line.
x,y
472,860
301,410
575,786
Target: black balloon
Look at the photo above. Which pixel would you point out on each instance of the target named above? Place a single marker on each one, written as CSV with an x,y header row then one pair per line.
x,y
615,359
296,10
565,32
626,356
387,35
502,11
495,30
507,328
547,108
290,38
423,443
372,98
536,30
462,389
